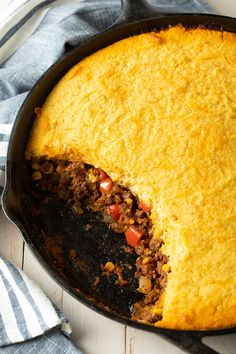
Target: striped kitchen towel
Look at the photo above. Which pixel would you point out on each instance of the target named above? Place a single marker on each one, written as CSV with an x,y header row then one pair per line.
x,y
57,22
26,313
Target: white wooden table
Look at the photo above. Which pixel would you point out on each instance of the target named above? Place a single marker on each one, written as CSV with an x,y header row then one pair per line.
x,y
93,333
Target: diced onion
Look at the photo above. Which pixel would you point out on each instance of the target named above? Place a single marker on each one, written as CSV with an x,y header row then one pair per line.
x,y
145,285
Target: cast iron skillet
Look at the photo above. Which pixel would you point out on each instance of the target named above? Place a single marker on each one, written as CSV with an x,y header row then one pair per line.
x,y
51,230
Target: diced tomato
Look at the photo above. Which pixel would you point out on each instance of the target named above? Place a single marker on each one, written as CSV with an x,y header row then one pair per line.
x,y
114,211
102,174
106,185
144,206
133,236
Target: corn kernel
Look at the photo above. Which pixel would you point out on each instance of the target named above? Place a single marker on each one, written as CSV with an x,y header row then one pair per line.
x,y
166,267
91,176
157,324
129,201
146,260
131,221
157,311
36,176
109,266
35,166
60,169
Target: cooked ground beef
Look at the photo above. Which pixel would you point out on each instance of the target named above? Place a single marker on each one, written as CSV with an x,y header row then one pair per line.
x,y
82,185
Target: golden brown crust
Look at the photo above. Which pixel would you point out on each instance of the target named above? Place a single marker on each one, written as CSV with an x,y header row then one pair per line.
x,y
157,111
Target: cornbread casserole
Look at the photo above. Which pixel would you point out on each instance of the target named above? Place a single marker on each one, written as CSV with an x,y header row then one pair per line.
x,y
154,116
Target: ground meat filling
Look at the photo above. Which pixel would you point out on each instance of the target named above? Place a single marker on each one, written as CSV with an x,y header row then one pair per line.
x,y
80,184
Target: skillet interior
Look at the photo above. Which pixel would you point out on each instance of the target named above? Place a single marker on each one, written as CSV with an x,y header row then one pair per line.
x,y
58,223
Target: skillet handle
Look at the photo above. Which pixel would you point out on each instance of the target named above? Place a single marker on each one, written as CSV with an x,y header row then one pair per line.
x,y
189,342
136,10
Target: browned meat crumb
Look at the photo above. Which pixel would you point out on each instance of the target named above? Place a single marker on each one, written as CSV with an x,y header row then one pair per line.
x,y
128,250
119,272
96,282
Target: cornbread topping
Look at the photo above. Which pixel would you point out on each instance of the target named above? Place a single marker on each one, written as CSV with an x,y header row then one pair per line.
x,y
157,113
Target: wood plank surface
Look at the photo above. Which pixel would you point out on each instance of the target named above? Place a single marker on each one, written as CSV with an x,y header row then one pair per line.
x,y
11,242
35,271
140,342
93,333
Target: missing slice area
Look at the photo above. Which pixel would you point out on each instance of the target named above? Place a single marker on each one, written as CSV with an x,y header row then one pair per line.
x,y
83,186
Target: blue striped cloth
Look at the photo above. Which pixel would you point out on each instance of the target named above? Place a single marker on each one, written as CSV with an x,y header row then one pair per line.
x,y
26,313
33,35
